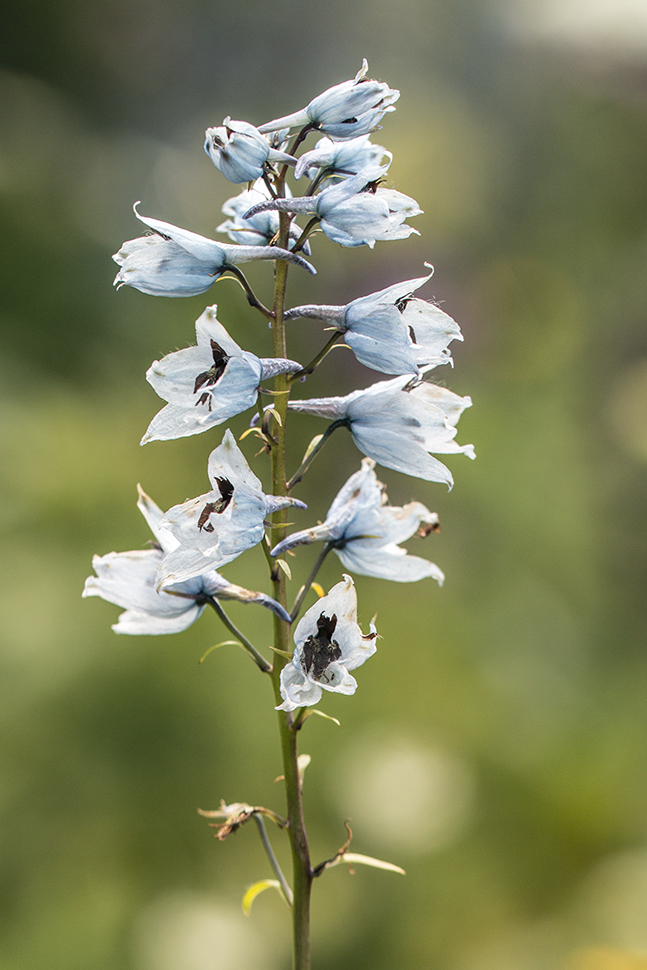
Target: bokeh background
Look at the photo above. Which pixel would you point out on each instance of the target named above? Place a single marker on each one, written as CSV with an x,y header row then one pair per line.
x,y
496,747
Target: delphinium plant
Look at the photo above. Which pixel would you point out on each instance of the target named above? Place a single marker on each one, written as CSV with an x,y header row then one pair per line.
x,y
400,423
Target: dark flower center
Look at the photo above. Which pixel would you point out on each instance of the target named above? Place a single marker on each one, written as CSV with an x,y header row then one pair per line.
x,y
321,650
213,375
226,490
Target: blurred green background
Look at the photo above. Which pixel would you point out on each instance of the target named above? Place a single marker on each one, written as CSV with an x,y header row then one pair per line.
x,y
496,747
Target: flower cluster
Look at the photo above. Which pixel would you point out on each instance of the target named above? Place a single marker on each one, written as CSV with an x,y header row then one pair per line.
x,y
402,423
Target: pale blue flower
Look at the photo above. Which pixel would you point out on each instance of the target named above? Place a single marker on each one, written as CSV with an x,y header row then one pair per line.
x,y
346,110
261,229
215,528
365,531
329,644
341,158
208,383
176,262
128,580
391,331
398,423
240,152
355,212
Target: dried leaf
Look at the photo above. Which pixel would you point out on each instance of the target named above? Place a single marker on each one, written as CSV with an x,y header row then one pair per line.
x,y
281,563
327,717
302,763
355,858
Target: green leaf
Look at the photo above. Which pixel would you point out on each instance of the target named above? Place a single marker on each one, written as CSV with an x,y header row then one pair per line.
x,y
282,653
224,643
313,444
276,415
256,890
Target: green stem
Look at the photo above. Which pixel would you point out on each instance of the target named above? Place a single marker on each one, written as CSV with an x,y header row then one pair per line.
x,y
257,657
303,592
305,464
314,363
287,892
301,869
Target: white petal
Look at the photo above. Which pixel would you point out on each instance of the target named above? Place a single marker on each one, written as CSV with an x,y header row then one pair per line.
x,y
398,524
387,562
297,690
341,602
153,515
185,563
392,450
434,330
228,460
337,678
383,343
161,267
390,295
452,405
208,328
139,624
128,580
318,533
206,250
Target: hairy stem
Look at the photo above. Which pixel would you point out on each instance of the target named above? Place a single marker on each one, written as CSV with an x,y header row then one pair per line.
x,y
301,869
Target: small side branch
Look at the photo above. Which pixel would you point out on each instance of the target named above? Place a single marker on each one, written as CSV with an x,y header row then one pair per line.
x,y
306,232
252,299
300,472
260,824
314,363
340,852
257,657
303,592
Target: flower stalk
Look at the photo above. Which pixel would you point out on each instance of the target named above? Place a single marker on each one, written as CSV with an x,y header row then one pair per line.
x,y
401,423
301,868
